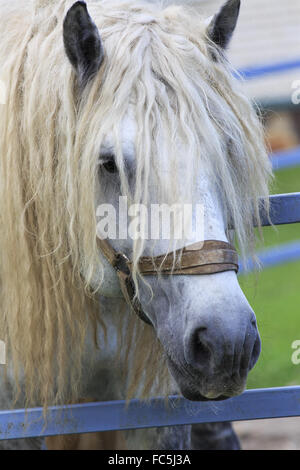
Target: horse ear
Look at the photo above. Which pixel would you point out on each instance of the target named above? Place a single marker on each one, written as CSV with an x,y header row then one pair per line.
x,y
222,25
82,42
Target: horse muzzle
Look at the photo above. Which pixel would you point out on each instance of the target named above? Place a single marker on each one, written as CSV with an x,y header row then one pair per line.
x,y
216,357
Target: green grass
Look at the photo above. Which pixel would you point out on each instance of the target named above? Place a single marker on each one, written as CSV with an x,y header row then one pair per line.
x,y
287,181
275,297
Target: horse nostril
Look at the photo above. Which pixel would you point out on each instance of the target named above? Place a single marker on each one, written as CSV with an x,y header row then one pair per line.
x,y
201,352
253,322
255,353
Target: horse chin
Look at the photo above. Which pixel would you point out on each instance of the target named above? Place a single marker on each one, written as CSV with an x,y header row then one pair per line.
x,y
195,396
192,391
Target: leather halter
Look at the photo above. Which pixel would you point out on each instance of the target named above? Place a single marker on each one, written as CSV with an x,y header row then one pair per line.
x,y
208,257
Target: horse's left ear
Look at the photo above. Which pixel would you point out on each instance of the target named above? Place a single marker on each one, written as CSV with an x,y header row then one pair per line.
x,y
222,25
82,42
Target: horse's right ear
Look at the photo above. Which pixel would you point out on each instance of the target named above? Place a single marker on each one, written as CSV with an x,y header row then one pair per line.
x,y
222,25
82,42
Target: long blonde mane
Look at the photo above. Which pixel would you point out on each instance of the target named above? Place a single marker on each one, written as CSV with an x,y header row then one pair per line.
x,y
161,60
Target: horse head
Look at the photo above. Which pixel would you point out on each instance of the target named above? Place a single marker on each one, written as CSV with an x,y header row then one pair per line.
x,y
154,150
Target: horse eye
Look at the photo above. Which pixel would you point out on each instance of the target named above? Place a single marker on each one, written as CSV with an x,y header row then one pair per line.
x,y
110,166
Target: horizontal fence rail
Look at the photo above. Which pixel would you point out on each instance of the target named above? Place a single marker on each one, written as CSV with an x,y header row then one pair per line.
x,y
256,72
117,415
274,256
284,209
286,159
252,72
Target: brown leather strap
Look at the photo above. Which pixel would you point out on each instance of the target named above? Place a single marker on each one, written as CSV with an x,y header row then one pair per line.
x,y
200,258
208,257
121,264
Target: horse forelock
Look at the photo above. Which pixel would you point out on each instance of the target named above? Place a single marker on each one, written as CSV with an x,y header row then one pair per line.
x,y
160,60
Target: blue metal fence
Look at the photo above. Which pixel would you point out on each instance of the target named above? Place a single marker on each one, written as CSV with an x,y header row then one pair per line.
x,y
274,256
250,73
117,415
285,209
286,159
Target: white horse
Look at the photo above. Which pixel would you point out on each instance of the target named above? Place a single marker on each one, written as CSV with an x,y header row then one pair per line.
x,y
136,100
